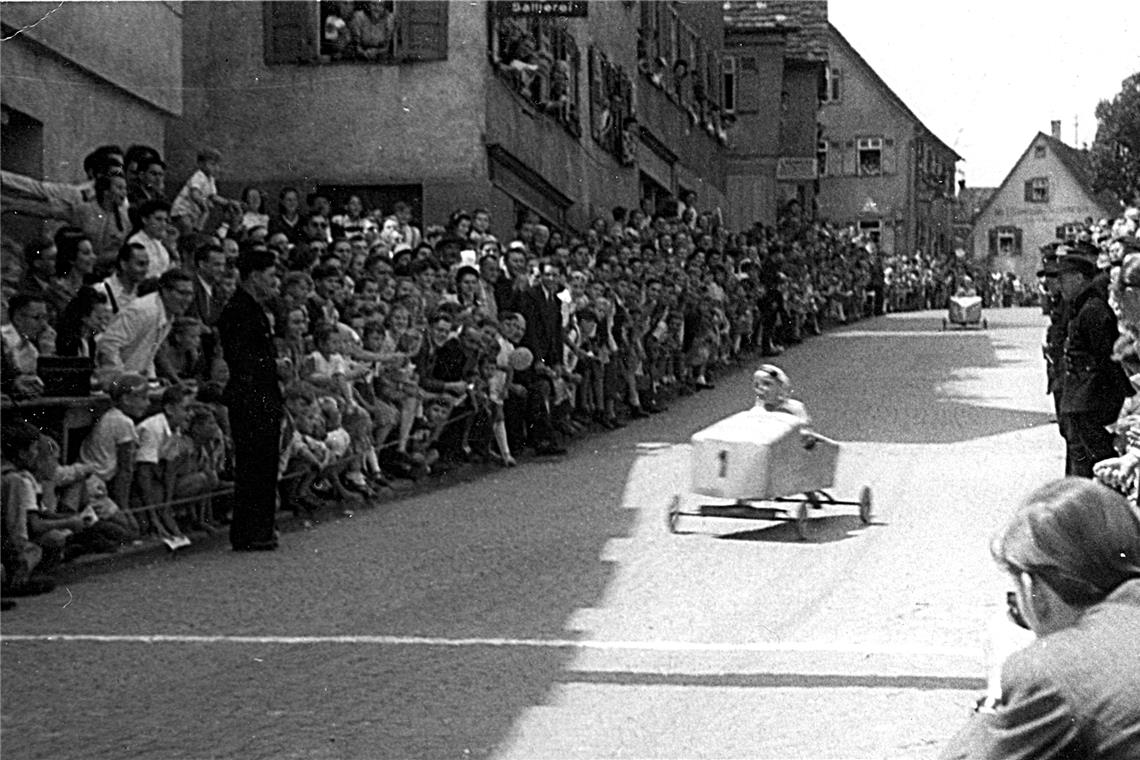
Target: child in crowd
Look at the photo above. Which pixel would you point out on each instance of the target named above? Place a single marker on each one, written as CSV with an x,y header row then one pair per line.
x,y
198,197
156,436
20,552
110,447
302,455
192,465
180,358
422,453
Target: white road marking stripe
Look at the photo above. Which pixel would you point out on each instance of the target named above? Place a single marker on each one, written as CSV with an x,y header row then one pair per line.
x,y
633,646
902,333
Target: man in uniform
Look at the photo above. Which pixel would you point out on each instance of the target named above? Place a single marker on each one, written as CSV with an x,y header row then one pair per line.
x,y
1053,306
1094,385
254,400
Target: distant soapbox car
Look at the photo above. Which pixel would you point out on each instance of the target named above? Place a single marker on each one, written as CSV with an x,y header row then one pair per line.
x,y
965,311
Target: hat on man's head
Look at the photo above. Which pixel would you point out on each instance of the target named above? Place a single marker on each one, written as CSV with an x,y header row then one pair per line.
x,y
1080,247
1076,264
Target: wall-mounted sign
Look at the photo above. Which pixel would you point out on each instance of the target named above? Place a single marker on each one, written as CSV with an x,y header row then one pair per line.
x,y
565,8
796,168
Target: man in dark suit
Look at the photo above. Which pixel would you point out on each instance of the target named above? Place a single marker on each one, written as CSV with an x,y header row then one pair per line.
x,y
254,399
1094,386
209,266
540,307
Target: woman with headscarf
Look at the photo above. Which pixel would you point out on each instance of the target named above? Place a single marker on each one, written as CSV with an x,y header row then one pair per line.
x,y
1072,555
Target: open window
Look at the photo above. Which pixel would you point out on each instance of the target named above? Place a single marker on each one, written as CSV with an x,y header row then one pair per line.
x,y
538,58
870,156
379,31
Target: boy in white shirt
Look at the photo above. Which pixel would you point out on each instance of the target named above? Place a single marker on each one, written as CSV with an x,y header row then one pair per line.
x,y
155,434
197,198
110,447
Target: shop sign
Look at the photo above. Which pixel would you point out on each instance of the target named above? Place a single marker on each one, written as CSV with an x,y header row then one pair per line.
x,y
564,8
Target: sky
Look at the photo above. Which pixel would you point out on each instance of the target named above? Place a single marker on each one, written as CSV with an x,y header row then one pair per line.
x,y
986,77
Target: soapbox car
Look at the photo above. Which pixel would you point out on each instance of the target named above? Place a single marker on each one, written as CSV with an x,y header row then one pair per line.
x,y
965,311
771,467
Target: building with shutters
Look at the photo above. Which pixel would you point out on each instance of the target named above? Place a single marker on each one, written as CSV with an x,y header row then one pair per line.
x,y
881,169
557,109
74,77
1047,196
775,59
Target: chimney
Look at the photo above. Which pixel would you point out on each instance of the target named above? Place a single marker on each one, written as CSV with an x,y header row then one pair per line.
x,y
1055,128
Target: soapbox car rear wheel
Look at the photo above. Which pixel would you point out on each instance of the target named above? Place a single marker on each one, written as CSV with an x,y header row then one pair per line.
x,y
985,324
944,324
865,505
674,513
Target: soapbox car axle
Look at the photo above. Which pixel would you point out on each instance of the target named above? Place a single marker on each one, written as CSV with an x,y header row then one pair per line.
x,y
800,513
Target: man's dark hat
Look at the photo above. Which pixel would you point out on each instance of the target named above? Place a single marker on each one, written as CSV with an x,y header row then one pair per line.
x,y
1081,248
1072,263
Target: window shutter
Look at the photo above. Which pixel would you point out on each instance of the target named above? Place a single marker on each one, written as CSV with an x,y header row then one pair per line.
x,y
291,28
1028,191
421,30
993,242
850,159
888,157
1017,241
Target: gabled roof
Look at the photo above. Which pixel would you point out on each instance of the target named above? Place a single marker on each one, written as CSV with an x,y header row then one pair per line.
x,y
898,102
804,22
1075,162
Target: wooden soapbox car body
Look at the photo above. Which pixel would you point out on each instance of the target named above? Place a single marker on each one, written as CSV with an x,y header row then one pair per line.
x,y
965,311
771,468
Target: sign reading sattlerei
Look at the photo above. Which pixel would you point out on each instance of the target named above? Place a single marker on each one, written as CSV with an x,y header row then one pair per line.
x,y
568,8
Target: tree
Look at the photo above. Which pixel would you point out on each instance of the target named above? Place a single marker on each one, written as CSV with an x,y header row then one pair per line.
x,y
1116,150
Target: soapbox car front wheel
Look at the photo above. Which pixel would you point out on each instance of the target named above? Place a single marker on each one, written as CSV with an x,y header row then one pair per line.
x,y
865,505
944,323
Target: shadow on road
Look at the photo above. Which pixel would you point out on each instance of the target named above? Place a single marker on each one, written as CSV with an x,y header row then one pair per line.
x,y
890,389
820,530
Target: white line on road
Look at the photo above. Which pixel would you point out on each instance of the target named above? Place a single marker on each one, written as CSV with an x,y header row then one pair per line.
x,y
900,333
633,646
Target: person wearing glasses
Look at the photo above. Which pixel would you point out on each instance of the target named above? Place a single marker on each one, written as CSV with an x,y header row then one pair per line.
x,y
132,340
1071,551
1095,386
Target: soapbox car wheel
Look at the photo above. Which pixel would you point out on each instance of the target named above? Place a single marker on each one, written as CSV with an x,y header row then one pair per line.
x,y
944,323
865,505
985,324
803,520
674,513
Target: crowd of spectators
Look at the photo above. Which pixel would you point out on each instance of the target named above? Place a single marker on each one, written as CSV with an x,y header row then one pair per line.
x,y
401,352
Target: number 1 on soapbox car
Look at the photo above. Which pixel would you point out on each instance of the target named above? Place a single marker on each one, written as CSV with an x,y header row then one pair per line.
x,y
769,466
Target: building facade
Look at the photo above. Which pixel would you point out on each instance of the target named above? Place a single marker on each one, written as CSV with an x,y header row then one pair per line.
x,y
881,169
775,59
557,109
73,77
1047,196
